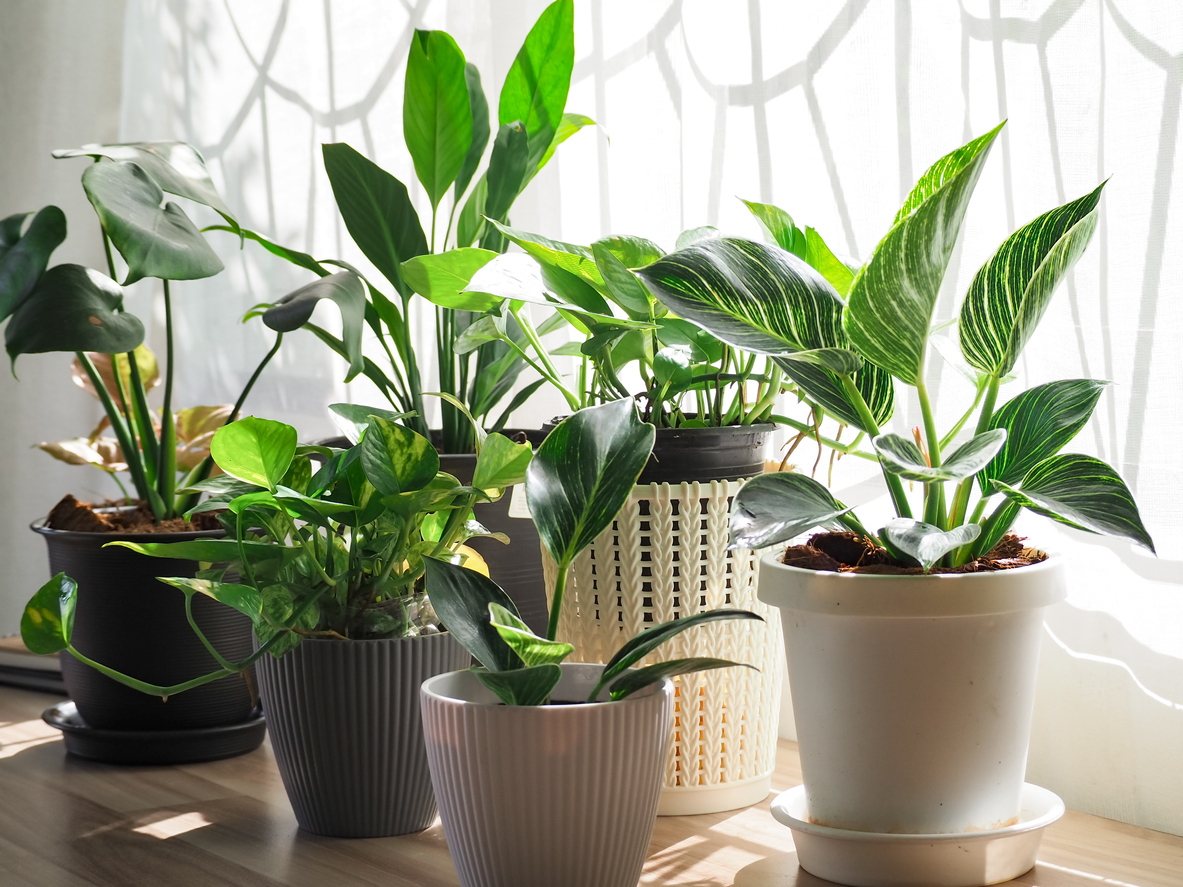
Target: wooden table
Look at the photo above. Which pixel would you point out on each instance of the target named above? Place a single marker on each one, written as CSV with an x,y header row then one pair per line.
x,y
65,821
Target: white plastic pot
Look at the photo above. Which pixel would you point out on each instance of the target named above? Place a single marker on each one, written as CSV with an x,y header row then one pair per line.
x,y
913,694
538,796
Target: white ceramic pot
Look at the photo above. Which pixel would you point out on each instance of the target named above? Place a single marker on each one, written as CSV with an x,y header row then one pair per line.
x,y
913,694
539,796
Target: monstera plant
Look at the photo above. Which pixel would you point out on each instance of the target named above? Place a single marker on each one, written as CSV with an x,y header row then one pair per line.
x,y
845,349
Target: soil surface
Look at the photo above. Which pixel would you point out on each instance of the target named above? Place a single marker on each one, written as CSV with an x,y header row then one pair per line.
x,y
123,517
851,553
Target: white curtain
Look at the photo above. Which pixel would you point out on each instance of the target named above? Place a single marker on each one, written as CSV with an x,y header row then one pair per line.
x,y
830,111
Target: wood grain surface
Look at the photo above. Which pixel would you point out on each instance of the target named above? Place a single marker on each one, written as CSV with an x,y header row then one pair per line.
x,y
66,822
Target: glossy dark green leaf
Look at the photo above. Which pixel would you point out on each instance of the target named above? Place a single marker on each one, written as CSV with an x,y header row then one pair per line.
x,y
1010,293
352,419
1082,492
507,169
437,119
461,599
891,301
778,227
531,649
501,463
396,459
672,366
536,87
48,621
345,290
255,450
176,167
916,542
243,598
903,457
522,686
1039,423
774,508
73,309
377,210
479,108
23,259
583,474
632,681
874,384
443,278
154,240
995,527
836,360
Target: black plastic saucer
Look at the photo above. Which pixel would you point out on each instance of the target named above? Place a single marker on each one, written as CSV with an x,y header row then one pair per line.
x,y
155,746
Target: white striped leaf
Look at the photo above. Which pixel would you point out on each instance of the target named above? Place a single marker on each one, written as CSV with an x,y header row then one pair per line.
x,y
1012,290
891,301
914,541
1039,423
1082,492
901,456
774,508
824,389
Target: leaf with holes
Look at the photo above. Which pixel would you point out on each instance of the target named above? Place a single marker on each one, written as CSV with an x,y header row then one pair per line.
x,y
916,542
774,508
903,457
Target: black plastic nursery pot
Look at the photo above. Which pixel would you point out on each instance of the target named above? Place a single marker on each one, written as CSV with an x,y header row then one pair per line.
x,y
347,732
690,455
126,619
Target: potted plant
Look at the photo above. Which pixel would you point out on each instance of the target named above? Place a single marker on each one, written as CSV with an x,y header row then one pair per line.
x,y
913,649
331,576
447,130
545,771
70,308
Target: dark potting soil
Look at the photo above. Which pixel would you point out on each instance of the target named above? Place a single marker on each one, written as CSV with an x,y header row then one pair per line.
x,y
123,517
852,553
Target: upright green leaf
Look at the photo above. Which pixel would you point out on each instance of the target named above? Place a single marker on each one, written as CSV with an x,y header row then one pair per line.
x,y
461,599
443,278
1011,291
818,254
437,117
583,474
536,87
471,221
23,259
916,542
507,169
632,681
377,211
774,508
891,301
903,457
255,450
73,309
48,621
345,290
501,463
532,649
522,686
1039,423
1082,492
396,459
154,240
778,227
479,108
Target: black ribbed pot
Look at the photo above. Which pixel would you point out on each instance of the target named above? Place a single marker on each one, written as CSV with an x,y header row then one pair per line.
x,y
347,733
128,620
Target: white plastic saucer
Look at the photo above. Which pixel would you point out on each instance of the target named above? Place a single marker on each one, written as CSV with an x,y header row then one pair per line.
x,y
873,859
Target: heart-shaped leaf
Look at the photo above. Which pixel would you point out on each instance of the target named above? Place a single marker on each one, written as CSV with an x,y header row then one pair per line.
x,y
479,108
522,686
672,366
1039,423
154,240
501,463
901,456
255,450
632,681
916,542
891,301
1011,291
583,474
1082,492
377,211
437,117
23,259
345,290
443,278
774,508
632,252
397,459
73,309
352,419
461,599
532,649
48,621
243,598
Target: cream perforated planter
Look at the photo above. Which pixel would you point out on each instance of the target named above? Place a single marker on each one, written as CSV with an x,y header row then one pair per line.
x,y
665,557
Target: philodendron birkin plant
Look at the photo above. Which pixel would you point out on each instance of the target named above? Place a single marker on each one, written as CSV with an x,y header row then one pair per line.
x,y
843,353
577,483
334,552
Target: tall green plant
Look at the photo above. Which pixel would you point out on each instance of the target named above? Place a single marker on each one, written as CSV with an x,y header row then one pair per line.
x,y
844,353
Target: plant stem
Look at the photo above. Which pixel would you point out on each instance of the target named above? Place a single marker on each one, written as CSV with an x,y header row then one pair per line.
x,y
850,449
556,603
898,497
961,498
166,461
956,429
768,398
934,510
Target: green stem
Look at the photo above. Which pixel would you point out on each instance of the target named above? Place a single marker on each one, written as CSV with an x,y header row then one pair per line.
x,y
536,343
556,603
451,216
221,660
143,415
961,498
934,509
894,485
956,429
166,460
768,398
850,449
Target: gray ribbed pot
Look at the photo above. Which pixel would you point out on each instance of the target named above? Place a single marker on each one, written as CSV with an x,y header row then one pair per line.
x,y
345,727
546,795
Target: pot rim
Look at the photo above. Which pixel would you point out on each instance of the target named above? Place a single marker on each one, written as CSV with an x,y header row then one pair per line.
x,y
428,692
868,594
38,526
